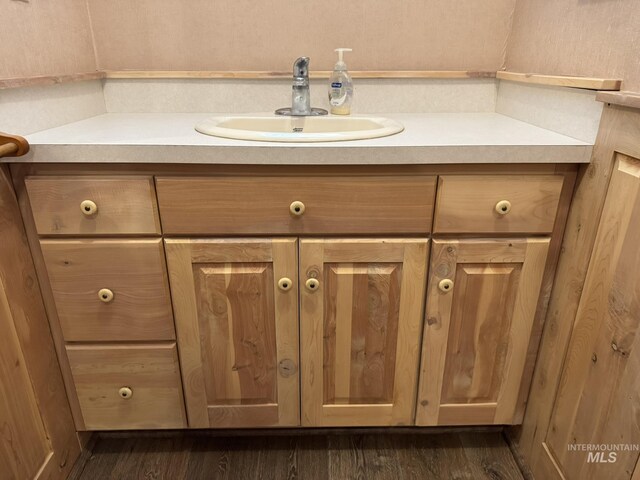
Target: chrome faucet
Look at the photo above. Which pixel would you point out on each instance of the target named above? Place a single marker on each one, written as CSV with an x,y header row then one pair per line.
x,y
301,95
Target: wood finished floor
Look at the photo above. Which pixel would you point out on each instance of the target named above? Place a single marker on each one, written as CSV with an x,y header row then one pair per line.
x,y
382,456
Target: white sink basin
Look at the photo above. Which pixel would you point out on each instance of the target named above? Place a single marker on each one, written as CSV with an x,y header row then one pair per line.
x,y
299,129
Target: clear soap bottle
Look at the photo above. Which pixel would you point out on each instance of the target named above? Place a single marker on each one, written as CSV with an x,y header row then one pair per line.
x,y
340,86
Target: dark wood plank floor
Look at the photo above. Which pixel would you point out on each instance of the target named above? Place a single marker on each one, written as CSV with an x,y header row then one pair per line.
x,y
384,456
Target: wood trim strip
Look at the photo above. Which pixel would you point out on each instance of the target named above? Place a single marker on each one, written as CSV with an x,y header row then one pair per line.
x,y
624,99
253,75
42,80
587,83
555,80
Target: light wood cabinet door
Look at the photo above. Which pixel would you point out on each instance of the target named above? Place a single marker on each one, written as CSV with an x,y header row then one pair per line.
x,y
481,303
362,303
236,311
599,395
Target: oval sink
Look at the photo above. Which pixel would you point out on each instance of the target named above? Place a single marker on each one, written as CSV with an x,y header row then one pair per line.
x,y
299,129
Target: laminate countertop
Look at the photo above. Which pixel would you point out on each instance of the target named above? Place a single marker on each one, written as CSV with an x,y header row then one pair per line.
x,y
435,138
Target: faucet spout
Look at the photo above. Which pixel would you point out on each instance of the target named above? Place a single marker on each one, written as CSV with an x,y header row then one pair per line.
x,y
300,94
301,68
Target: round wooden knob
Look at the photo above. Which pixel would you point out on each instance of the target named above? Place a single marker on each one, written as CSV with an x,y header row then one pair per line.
x,y
312,284
296,208
445,285
125,392
105,295
503,207
89,208
285,284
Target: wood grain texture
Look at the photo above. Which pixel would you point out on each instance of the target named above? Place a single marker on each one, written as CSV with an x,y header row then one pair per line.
x,y
555,248
549,38
548,467
604,351
619,131
385,456
622,99
44,80
24,447
151,371
8,149
360,343
360,330
476,335
237,331
260,205
230,36
467,203
588,83
23,308
134,270
126,205
20,144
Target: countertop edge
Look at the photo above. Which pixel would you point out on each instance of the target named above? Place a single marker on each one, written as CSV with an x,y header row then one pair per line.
x,y
338,155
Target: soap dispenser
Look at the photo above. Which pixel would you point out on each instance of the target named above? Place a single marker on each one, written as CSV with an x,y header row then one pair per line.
x,y
340,86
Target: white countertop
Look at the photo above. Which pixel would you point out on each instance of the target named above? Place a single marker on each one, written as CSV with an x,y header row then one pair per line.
x,y
434,138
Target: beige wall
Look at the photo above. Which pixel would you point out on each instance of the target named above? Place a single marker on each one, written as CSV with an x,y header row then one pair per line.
x,y
45,37
577,37
270,34
570,37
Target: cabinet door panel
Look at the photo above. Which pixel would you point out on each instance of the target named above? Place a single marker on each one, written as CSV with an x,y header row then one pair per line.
x,y
360,330
599,394
237,330
477,329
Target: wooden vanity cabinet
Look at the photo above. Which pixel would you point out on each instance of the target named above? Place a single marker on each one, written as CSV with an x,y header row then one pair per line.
x,y
299,296
481,303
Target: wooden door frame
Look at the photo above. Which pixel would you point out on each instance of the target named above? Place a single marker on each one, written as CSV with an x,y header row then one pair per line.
x,y
32,328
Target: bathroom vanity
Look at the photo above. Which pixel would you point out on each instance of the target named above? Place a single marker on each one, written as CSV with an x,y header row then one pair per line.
x,y
283,292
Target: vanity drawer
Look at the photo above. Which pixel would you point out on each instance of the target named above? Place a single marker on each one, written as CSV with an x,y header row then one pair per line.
x,y
110,290
325,205
87,205
128,386
497,203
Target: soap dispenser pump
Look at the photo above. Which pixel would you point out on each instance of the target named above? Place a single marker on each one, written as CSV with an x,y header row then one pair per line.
x,y
340,86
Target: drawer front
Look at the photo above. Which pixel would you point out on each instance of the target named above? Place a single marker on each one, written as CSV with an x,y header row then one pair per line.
x,y
93,205
128,386
267,205
497,204
110,290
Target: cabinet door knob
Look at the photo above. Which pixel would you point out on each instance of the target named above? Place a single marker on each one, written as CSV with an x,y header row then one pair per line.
x,y
105,295
445,285
297,208
285,284
89,208
312,284
503,207
125,392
